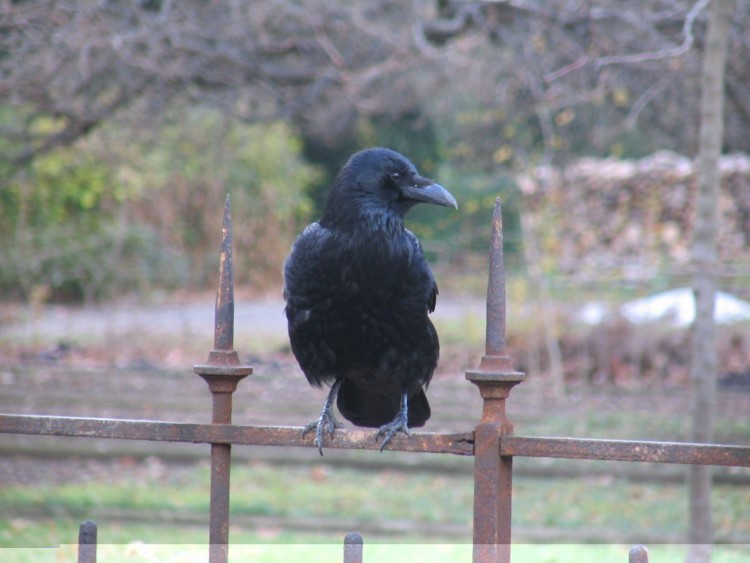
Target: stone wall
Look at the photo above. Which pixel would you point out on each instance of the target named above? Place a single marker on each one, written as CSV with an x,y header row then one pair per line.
x,y
632,218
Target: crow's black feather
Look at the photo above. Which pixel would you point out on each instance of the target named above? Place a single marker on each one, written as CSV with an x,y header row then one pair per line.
x,y
358,292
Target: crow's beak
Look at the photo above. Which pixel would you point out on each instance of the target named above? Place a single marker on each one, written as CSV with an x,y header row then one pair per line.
x,y
431,193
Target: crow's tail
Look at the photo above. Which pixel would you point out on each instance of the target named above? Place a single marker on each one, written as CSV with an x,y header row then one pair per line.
x,y
363,408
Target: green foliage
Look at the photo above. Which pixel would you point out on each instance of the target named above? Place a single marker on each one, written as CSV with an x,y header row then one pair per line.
x,y
124,210
87,260
462,236
57,188
58,229
412,134
199,159
152,198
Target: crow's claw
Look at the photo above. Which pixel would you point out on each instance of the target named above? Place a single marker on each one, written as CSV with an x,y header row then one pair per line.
x,y
399,424
326,424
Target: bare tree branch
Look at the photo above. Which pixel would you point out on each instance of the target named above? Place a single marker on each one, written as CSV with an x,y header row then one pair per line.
x,y
678,51
325,65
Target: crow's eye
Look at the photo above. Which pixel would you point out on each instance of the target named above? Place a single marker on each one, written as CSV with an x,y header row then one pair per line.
x,y
395,176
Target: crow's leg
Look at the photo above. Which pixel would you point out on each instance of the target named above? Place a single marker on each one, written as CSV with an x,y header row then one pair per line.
x,y
398,424
326,422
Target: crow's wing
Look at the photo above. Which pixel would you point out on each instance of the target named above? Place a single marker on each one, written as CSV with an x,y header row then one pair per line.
x,y
306,290
420,262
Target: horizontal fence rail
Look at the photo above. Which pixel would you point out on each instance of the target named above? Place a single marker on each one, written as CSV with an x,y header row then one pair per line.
x,y
625,450
457,444
461,444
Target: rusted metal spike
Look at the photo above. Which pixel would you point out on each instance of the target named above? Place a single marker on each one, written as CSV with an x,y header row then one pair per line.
x,y
224,318
223,369
87,542
495,340
495,364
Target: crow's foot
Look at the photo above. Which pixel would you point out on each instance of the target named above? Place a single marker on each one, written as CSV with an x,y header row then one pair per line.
x,y
326,422
398,424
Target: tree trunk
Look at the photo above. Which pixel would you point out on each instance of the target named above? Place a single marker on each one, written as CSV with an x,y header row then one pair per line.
x,y
547,324
705,261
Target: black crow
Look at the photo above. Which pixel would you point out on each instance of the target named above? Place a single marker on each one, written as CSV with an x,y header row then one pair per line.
x,y
358,291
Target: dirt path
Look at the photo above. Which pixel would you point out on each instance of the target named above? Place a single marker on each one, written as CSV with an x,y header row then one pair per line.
x,y
196,315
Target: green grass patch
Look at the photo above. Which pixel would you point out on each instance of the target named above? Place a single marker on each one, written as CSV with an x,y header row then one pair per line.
x,y
297,548
606,422
325,493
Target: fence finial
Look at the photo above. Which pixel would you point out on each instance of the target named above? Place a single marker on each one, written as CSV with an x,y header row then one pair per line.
x,y
495,364
495,340
224,316
223,369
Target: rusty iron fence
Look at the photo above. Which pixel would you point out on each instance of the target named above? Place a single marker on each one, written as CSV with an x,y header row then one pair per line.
x,y
491,442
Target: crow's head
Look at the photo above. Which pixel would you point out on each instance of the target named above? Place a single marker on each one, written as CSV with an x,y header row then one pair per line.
x,y
377,181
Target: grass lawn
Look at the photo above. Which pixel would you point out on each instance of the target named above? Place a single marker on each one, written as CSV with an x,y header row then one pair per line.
x,y
37,521
316,550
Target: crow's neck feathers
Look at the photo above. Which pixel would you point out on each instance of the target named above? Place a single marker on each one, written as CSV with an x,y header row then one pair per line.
x,y
352,208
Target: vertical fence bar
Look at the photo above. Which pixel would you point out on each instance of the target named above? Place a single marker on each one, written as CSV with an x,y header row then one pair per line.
x,y
353,545
223,371
638,554
495,377
87,542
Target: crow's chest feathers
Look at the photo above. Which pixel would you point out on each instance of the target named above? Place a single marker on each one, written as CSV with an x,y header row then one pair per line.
x,y
381,265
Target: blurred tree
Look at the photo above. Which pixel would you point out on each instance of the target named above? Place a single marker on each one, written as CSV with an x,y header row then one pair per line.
x,y
599,78
480,87
498,79
81,63
705,264
190,167
106,216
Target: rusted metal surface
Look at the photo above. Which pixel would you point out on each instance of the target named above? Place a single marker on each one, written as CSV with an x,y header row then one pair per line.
x,y
223,371
218,533
495,329
493,477
457,444
495,377
638,554
626,450
495,365
87,542
462,444
353,547
224,319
